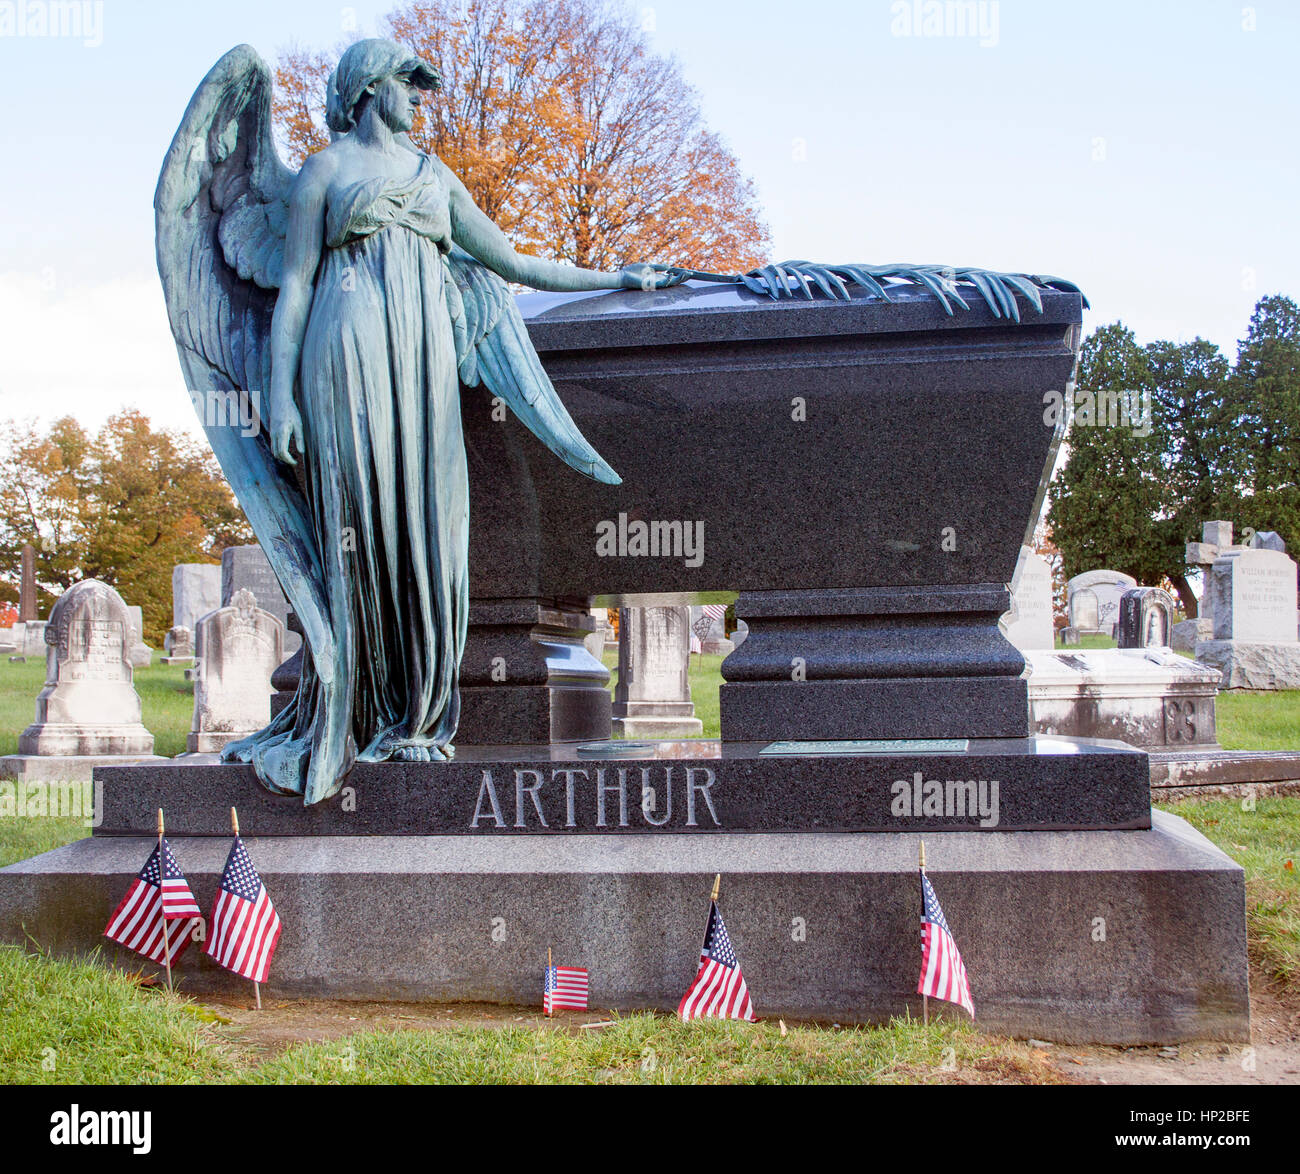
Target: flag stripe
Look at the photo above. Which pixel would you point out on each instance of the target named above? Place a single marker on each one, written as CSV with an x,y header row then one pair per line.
x,y
719,990
943,974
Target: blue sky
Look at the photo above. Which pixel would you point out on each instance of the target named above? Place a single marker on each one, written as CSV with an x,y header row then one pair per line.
x,y
1146,150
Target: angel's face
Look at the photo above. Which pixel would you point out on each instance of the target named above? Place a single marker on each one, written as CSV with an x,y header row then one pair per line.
x,y
396,100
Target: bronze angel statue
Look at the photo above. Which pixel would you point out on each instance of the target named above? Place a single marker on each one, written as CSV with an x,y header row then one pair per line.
x,y
345,304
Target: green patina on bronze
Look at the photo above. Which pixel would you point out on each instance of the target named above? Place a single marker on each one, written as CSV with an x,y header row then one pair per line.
x,y
347,303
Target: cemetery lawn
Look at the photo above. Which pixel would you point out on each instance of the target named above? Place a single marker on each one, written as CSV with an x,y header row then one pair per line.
x,y
77,1022
1258,721
1266,843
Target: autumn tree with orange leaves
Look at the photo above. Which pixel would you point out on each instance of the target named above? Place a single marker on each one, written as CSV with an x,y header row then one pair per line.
x,y
580,142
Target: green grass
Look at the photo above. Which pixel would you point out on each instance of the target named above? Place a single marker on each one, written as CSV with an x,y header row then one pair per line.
x,y
166,697
73,1022
30,836
1265,841
1090,640
1258,721
82,1023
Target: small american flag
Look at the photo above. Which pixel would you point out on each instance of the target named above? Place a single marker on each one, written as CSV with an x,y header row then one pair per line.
x,y
158,895
719,990
708,613
566,986
943,974
244,927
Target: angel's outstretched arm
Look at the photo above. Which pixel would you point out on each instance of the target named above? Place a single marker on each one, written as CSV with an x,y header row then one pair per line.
x,y
303,244
477,235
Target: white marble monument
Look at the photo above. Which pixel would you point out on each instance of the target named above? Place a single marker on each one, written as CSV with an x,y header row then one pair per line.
x,y
1093,600
1029,623
1252,594
653,696
88,714
238,648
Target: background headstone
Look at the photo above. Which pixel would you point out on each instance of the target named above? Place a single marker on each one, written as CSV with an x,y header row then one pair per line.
x,y
238,648
179,646
1253,594
601,636
196,590
1216,539
247,568
653,696
1146,618
1093,600
1253,602
89,706
1029,622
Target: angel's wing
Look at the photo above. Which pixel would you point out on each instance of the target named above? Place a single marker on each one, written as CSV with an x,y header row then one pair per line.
x,y
493,348
221,211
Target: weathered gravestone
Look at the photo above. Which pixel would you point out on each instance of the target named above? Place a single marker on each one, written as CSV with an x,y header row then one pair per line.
x,y
179,646
1029,623
247,568
1146,618
653,696
1092,600
1216,539
1149,697
88,712
238,648
1252,595
29,637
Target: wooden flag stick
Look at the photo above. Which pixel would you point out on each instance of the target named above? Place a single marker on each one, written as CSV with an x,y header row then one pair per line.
x,y
925,999
234,828
162,909
547,1008
717,886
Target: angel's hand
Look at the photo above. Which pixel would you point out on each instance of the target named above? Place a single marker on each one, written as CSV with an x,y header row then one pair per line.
x,y
646,277
286,429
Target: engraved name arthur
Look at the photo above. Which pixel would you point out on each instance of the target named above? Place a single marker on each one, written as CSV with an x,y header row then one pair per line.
x,y
596,797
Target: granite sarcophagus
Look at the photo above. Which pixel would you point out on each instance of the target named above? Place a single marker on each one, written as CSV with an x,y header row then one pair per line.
x,y
861,474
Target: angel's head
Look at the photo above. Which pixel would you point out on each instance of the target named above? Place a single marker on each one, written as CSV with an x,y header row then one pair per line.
x,y
380,72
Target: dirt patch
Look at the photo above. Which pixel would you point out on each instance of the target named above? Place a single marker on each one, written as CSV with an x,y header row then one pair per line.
x,y
1273,1056
281,1024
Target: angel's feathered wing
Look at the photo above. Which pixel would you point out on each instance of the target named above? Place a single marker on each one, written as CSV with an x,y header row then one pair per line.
x,y
493,348
221,209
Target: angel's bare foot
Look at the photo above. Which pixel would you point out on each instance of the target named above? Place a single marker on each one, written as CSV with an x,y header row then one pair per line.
x,y
448,751
411,754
